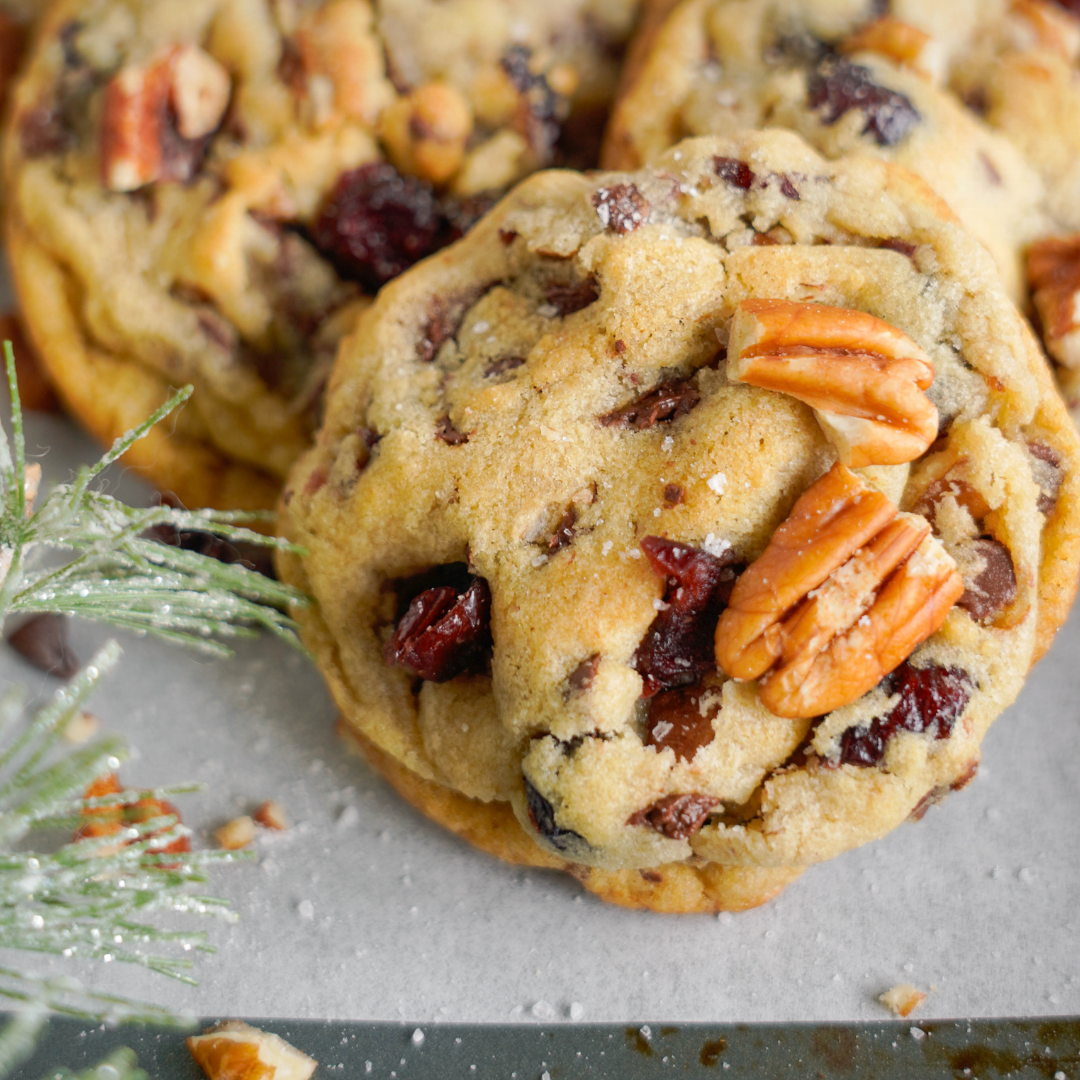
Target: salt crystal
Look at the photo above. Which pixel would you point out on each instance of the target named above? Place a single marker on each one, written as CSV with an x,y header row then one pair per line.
x,y
348,817
715,546
661,730
634,553
481,327
543,1010
547,311
668,442
417,1037
645,1032
1026,875
656,512
577,1010
306,909
539,560
606,549
918,1034
717,483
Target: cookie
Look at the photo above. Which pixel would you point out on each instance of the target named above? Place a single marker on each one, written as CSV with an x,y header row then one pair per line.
x,y
209,192
709,512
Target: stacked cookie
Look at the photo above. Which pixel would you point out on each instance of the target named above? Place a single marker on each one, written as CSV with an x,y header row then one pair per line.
x,y
679,526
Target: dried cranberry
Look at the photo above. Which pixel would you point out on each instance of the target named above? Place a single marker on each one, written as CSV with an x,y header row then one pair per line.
x,y
621,207
677,721
376,223
566,299
43,640
677,817
447,433
837,86
995,586
564,531
1071,6
678,647
931,700
542,816
582,677
1048,474
666,402
734,172
443,633
543,108
503,365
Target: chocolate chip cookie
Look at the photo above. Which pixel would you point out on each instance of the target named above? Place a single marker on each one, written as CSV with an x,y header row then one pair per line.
x,y
208,192
705,516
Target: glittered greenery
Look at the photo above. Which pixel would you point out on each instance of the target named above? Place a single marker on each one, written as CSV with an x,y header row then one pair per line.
x,y
118,573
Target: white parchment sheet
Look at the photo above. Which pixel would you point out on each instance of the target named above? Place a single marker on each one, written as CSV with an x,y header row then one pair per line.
x,y
366,911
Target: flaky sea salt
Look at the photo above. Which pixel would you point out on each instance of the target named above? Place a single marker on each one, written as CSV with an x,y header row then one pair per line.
x,y
417,1037
543,1010
717,483
577,1010
714,546
305,909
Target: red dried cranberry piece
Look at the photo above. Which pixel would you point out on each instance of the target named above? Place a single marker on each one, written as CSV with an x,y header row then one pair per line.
x,y
677,721
678,647
542,816
1071,6
837,86
376,223
1048,474
621,207
443,633
734,172
666,402
931,699
995,587
677,817
578,295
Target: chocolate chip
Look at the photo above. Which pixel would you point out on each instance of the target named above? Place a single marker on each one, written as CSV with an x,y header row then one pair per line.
x,y
43,640
937,794
1048,474
621,207
564,531
666,402
678,647
443,633
444,320
837,86
542,816
677,721
503,365
541,120
619,346
673,495
447,433
677,817
582,677
507,236
995,586
734,172
566,299
931,700
653,876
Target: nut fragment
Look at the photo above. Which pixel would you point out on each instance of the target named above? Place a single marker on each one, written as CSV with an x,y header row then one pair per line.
x,y
271,815
425,133
199,88
865,379
895,39
236,834
1053,273
845,591
236,1051
902,999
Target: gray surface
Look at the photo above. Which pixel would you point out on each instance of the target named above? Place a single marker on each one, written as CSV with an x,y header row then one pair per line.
x,y
405,922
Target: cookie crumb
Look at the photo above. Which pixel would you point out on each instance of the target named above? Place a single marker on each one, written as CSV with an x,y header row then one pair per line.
x,y
236,834
82,727
271,815
235,1049
903,999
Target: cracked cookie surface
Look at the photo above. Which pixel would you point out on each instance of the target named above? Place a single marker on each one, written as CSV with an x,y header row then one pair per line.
x,y
543,419
208,192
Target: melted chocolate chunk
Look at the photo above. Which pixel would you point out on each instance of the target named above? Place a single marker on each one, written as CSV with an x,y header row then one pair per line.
x,y
582,677
507,236
43,640
931,700
443,633
678,646
542,816
376,223
541,120
447,433
1048,474
677,721
621,207
673,495
503,365
994,589
566,299
666,402
42,133
677,817
734,172
442,325
936,795
1071,6
564,531
837,86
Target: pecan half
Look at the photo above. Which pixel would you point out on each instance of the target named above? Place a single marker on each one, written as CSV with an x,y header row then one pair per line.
x,y
1053,274
864,379
892,38
844,592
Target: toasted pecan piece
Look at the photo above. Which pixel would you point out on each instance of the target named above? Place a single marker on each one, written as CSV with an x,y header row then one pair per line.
x,y
843,594
865,380
894,39
1053,274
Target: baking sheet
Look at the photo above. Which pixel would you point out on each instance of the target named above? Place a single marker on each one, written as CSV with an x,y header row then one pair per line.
x,y
366,911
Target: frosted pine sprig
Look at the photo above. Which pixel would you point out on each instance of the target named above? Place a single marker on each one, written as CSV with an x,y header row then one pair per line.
x,y
117,574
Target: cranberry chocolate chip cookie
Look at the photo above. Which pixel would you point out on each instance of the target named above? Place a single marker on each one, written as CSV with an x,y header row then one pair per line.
x,y
686,527
207,192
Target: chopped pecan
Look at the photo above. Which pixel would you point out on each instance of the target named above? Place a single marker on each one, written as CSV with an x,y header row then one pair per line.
x,y
110,820
677,817
1053,274
865,380
200,89
426,131
892,38
1048,473
844,592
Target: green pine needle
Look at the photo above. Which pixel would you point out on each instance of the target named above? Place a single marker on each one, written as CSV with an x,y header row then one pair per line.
x,y
117,574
